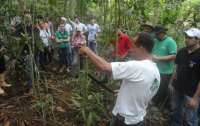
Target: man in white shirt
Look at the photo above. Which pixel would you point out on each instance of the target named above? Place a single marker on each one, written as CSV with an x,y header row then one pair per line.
x,y
45,36
93,30
68,27
44,53
69,30
140,81
78,24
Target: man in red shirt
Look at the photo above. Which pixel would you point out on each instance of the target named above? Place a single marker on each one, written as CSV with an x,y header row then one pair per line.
x,y
122,45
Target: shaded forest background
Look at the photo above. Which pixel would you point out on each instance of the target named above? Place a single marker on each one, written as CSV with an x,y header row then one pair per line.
x,y
60,100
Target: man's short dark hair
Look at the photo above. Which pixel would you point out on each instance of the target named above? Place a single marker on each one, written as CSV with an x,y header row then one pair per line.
x,y
145,40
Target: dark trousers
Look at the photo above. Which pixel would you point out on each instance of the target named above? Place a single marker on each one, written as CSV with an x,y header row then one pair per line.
x,y
82,59
2,64
119,121
64,56
25,61
162,97
45,56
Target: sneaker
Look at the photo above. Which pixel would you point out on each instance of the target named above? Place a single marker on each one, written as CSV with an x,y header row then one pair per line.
x,y
1,91
4,84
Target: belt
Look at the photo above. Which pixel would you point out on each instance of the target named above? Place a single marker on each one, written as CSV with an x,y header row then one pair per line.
x,y
121,121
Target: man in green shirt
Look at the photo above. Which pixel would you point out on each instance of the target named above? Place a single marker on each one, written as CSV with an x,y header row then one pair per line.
x,y
64,49
164,54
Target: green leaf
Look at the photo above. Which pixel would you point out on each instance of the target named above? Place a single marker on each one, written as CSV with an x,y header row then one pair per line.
x,y
76,103
53,2
90,119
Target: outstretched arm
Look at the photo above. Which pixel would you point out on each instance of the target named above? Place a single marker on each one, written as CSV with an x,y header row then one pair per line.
x,y
97,60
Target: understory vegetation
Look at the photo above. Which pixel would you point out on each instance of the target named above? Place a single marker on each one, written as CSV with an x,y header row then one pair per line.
x,y
61,99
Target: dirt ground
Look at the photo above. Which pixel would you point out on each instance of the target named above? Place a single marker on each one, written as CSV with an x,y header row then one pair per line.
x,y
20,108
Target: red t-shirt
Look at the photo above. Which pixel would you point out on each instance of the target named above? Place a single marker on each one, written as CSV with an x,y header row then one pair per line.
x,y
123,45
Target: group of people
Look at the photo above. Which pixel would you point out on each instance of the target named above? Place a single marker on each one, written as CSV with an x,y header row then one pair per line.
x,y
51,42
69,36
149,65
179,72
154,67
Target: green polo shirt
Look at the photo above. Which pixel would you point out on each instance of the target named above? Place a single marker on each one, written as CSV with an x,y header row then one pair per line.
x,y
164,48
60,35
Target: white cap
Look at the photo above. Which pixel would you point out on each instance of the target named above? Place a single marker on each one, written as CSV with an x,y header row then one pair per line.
x,y
199,34
63,18
193,32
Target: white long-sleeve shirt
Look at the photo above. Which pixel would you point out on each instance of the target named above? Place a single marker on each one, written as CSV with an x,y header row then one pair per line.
x,y
45,34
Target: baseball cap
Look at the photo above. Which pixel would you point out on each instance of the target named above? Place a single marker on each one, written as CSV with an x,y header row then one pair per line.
x,y
160,29
198,33
193,32
63,18
148,24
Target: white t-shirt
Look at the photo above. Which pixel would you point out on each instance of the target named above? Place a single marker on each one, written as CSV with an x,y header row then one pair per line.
x,y
140,82
92,31
80,25
44,34
68,28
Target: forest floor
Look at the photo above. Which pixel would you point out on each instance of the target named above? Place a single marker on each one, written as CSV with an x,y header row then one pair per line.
x,y
18,108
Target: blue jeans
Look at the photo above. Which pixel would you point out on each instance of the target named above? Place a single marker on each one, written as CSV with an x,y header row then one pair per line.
x,y
93,46
65,55
182,114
